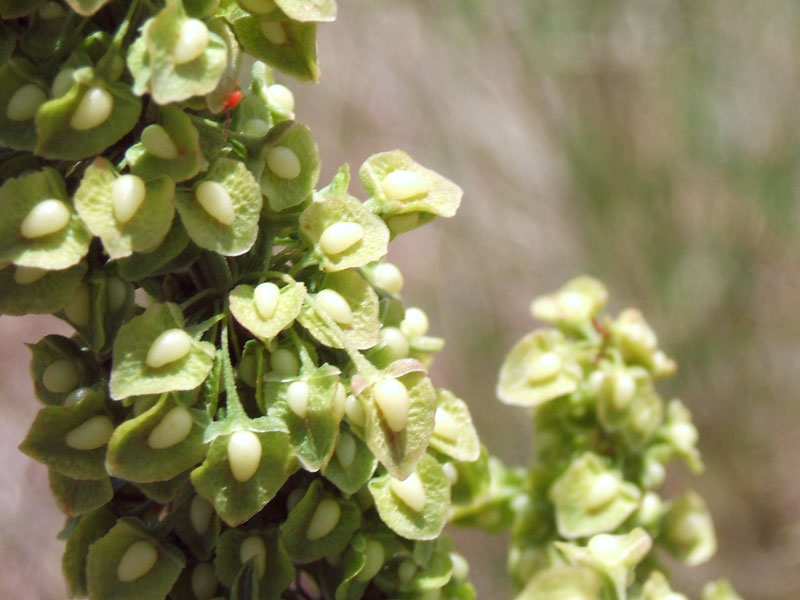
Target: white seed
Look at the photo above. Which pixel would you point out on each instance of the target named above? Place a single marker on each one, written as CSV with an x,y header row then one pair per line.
x,y
395,341
654,474
255,128
51,10
170,346
605,547
48,216
117,293
62,82
410,490
244,455
127,195
91,434
297,398
389,277
624,391
354,411
200,513
544,367
248,370
339,400
450,472
172,429
76,396
374,555
204,581
266,297
406,570
137,561
283,162
157,142
684,435
79,310
273,32
277,93
402,184
258,7
460,566
650,508
335,306
324,520
340,236
415,323
605,489
285,362
254,547
94,109
61,376
391,396
445,425
216,201
25,102
192,41
346,450
28,275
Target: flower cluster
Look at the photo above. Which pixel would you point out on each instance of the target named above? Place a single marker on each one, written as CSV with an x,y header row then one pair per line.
x,y
244,408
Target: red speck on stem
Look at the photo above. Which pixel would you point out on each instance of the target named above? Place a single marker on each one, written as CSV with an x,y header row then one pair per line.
x,y
233,100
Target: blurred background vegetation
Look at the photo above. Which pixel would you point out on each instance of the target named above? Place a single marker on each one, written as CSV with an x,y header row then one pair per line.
x,y
651,143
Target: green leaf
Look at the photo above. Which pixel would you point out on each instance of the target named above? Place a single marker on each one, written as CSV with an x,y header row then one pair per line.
x,y
294,531
473,479
157,262
245,195
107,552
236,501
454,434
563,581
46,439
54,348
14,9
243,308
91,527
78,496
130,453
46,295
426,524
164,492
330,209
363,302
57,250
130,373
350,475
283,193
278,572
309,10
16,73
87,7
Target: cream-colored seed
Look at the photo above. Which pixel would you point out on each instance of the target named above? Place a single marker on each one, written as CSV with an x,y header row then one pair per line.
x,y
340,236
285,362
389,277
137,561
170,346
460,566
204,581
605,489
354,411
117,292
258,7
273,32
687,529
248,370
192,41
450,472
51,10
62,82
244,455
339,400
605,547
93,110
415,323
28,275
395,341
445,425
280,94
283,162
25,102
391,396
254,548
324,520
266,296
346,450
401,185
410,491
91,434
544,367
216,201
624,391
297,395
374,555
406,570
127,195
172,429
61,376
255,128
335,306
48,216
683,434
76,396
78,310
157,142
200,513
